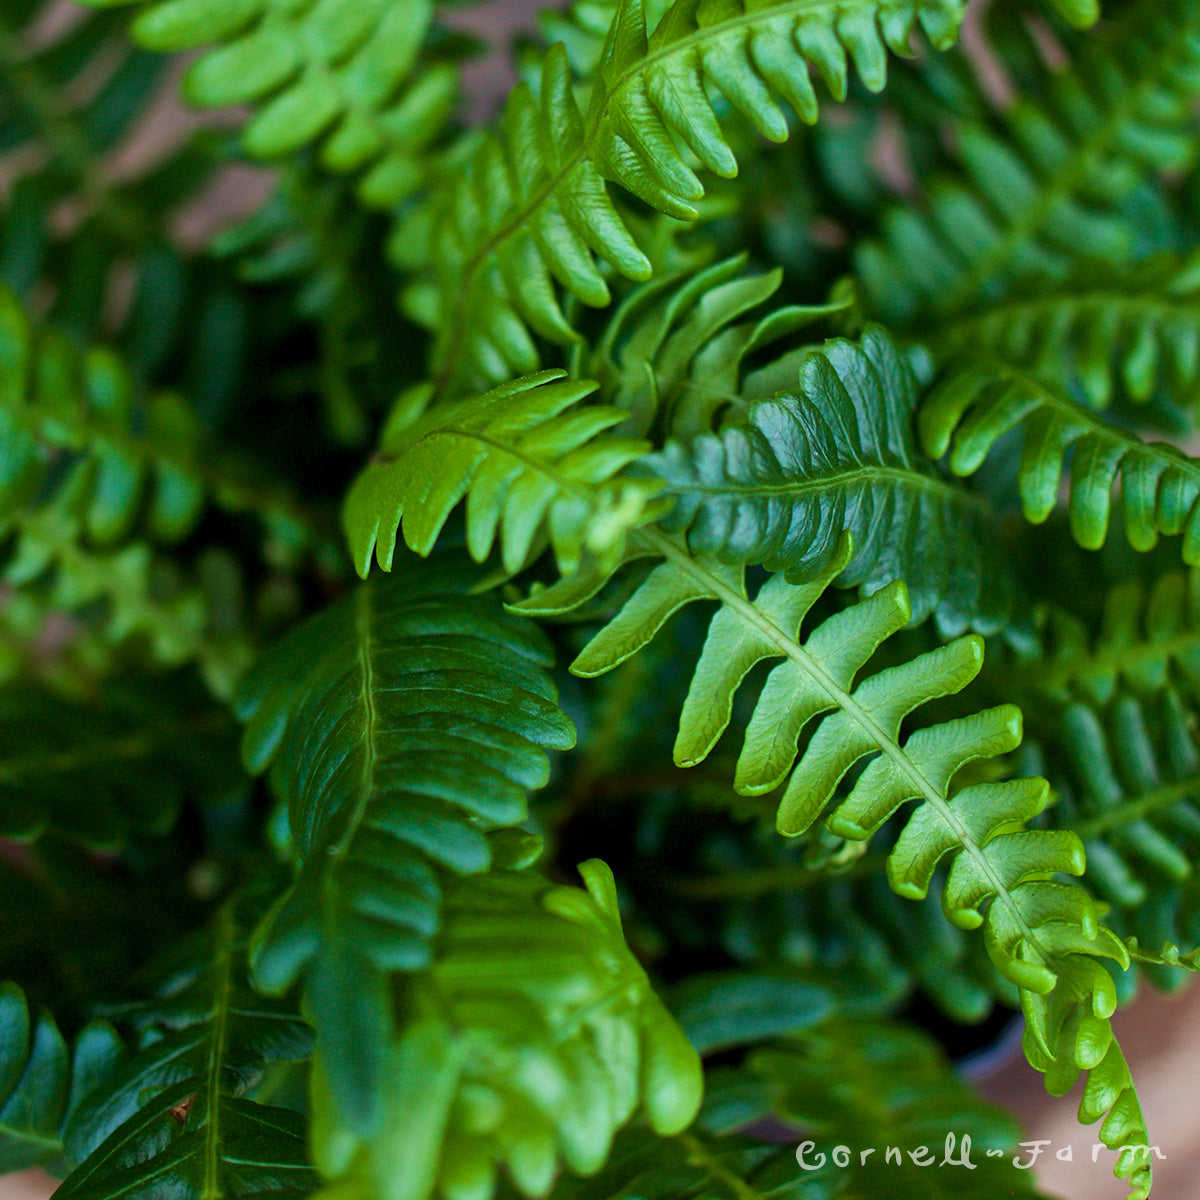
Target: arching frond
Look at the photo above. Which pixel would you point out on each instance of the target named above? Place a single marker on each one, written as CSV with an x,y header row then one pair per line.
x,y
974,406
836,450
528,458
1041,188
401,726
175,1113
43,1080
529,210
1098,335
534,1036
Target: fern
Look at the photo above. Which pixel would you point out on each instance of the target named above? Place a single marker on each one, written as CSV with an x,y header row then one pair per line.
x,y
43,1080
534,1035
976,406
206,1042
780,485
1044,185
403,725
531,209
529,461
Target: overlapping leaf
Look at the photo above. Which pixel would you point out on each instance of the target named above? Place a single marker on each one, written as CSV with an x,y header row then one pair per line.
x,y
401,725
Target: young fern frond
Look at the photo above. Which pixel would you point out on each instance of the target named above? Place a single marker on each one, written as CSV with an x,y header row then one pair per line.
x,y
43,1080
531,462
529,211
100,772
1098,335
337,73
779,484
980,402
175,1113
1043,186
401,726
535,1035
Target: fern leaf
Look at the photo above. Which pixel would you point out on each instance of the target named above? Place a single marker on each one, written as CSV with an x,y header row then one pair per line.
x,y
100,772
1042,187
531,210
205,1040
1041,935
1096,335
676,351
43,1080
534,1035
335,72
838,452
975,406
530,462
401,725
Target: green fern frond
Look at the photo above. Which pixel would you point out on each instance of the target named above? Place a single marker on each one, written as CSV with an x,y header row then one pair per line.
x,y
205,1040
529,210
401,726
1041,188
98,772
676,352
1098,335
1041,935
330,71
534,1036
1168,956
43,1080
528,458
837,451
977,404
1148,639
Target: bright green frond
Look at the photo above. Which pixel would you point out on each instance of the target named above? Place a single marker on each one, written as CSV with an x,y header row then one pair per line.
x,y
977,404
401,726
529,210
837,451
533,1038
528,458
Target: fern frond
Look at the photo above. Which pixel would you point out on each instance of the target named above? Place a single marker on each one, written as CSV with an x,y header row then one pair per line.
x,y
534,1036
1168,956
837,452
977,404
1041,188
401,726
1098,335
338,73
528,458
676,351
43,1080
529,210
1041,935
98,772
205,1040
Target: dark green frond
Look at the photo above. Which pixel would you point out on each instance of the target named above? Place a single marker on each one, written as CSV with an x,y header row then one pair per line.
x,y
176,1115
43,1080
401,726
534,1036
530,461
1043,186
975,405
1099,335
837,452
101,770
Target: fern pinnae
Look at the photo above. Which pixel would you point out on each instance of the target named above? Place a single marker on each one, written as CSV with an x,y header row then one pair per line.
x,y
534,210
974,406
